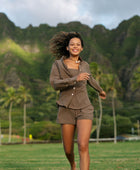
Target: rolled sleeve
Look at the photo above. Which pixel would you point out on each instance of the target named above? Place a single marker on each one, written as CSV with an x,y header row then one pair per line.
x,y
57,82
92,82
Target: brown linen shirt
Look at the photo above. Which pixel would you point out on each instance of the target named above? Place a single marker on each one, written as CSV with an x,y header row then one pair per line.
x,y
62,79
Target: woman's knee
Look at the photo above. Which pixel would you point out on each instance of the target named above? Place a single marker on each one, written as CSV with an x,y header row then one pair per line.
x,y
68,153
83,147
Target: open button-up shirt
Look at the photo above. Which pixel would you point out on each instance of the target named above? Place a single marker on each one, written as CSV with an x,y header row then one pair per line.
x,y
73,93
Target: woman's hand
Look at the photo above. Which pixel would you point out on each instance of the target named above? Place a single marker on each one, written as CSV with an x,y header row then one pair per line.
x,y
83,76
102,94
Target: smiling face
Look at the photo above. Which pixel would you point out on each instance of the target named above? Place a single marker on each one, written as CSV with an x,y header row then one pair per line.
x,y
75,47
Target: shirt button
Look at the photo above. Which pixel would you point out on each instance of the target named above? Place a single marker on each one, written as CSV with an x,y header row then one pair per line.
x,y
74,88
72,94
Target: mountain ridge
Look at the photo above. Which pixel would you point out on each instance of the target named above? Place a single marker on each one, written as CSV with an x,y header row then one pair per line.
x,y
116,51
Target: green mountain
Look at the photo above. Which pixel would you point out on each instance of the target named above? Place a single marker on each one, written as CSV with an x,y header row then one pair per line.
x,y
25,57
25,60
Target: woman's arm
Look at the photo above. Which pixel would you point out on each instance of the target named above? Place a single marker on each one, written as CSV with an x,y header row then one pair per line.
x,y
93,83
57,82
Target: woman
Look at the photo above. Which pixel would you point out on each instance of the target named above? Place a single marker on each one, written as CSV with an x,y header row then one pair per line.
x,y
70,75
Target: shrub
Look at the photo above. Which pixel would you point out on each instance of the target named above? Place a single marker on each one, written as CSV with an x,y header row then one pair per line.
x,y
124,125
45,130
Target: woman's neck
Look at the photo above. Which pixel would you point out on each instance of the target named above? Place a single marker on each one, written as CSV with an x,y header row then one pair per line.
x,y
74,58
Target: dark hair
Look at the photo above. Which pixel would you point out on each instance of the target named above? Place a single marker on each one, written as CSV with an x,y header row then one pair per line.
x,y
60,41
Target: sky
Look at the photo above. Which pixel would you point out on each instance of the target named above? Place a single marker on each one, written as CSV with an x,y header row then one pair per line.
x,y
109,13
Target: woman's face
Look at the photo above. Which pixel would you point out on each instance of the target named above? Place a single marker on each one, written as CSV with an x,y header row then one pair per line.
x,y
75,47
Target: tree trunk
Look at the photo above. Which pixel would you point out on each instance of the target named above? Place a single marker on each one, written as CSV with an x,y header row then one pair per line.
x,y
10,122
100,119
0,132
96,122
24,124
114,118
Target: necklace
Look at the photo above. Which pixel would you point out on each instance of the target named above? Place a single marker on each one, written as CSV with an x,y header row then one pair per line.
x,y
76,61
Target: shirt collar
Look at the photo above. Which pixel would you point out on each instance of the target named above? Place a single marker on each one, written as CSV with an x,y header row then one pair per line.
x,y
64,57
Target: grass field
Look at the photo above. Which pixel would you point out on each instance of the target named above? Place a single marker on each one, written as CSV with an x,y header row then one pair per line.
x,y
104,156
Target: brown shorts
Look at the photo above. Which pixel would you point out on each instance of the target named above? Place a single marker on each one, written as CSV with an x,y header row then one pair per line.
x,y
70,116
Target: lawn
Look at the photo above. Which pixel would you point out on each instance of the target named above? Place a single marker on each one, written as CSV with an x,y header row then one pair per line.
x,y
104,156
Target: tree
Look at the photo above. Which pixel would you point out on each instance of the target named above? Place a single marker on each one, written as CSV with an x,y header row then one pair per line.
x,y
3,87
24,97
114,114
111,88
8,99
135,81
48,105
50,97
0,131
96,73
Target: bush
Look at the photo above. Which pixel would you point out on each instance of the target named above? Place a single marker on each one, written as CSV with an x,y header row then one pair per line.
x,y
45,130
124,125
107,129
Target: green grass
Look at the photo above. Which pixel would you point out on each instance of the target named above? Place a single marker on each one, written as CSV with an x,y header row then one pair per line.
x,y
104,156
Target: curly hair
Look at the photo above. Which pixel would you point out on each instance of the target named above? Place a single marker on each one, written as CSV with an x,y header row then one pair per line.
x,y
60,41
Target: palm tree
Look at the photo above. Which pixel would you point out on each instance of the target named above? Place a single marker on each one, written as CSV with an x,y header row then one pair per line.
x,y
51,96
0,131
111,87
114,114
3,87
8,99
96,72
48,102
24,97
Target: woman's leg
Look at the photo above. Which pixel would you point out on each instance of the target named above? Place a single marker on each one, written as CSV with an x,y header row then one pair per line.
x,y
83,131
68,132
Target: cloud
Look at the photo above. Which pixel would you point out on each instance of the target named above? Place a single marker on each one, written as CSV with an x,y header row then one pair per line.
x,y
111,12
27,12
91,12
